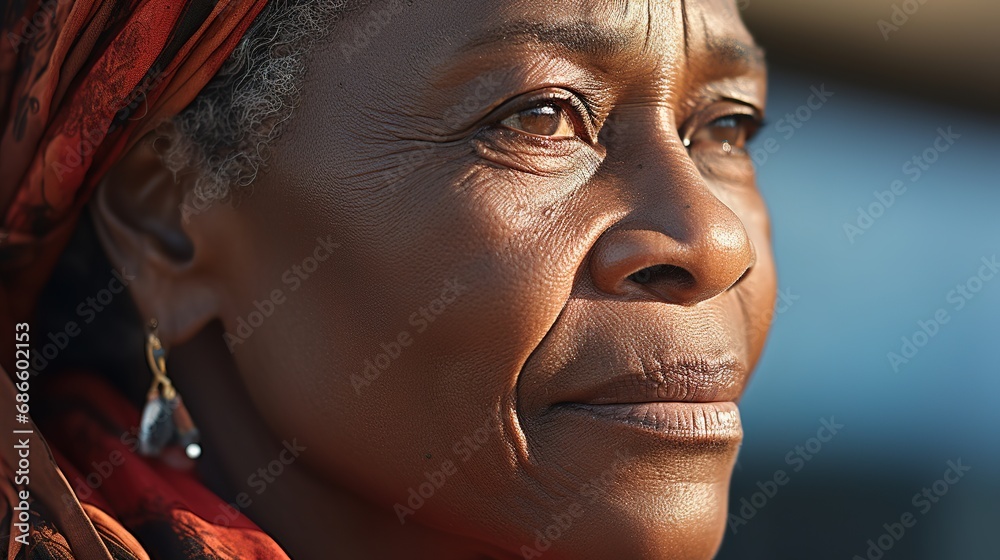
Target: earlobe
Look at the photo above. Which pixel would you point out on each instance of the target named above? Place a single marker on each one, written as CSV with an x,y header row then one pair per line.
x,y
136,209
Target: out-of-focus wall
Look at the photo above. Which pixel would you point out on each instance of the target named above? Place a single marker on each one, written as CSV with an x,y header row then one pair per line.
x,y
945,50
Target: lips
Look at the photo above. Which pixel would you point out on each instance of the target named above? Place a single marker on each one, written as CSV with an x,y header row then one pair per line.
x,y
695,381
689,401
715,422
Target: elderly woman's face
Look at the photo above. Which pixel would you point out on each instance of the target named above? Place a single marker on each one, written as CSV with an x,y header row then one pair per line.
x,y
514,270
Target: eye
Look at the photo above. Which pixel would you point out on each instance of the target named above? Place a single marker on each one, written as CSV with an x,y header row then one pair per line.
x,y
731,131
549,119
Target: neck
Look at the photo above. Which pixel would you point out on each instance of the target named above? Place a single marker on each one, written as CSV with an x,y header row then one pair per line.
x,y
242,463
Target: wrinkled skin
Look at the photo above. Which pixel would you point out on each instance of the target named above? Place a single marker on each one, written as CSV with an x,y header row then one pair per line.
x,y
533,155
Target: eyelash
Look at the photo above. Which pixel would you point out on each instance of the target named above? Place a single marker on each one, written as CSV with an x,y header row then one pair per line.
x,y
734,114
748,126
573,104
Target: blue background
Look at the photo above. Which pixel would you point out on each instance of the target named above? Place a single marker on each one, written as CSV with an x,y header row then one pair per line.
x,y
827,354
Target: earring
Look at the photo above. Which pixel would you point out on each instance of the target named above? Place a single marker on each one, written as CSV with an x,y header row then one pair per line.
x,y
164,414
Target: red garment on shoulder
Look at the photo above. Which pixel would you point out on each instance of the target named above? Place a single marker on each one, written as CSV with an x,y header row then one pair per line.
x,y
138,507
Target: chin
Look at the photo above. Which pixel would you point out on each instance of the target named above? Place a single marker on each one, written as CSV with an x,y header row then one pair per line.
x,y
627,492
686,522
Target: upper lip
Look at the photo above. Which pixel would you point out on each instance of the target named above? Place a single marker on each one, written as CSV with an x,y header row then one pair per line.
x,y
702,380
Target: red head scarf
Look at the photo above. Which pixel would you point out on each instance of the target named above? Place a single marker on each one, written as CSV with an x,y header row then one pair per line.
x,y
80,82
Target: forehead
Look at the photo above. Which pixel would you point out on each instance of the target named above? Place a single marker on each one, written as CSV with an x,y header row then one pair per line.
x,y
427,52
691,29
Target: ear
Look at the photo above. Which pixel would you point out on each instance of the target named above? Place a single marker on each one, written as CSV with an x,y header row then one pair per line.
x,y
137,211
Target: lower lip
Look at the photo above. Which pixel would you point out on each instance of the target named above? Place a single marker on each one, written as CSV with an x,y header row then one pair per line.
x,y
714,422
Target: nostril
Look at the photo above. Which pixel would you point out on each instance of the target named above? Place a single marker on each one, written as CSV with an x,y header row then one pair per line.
x,y
668,274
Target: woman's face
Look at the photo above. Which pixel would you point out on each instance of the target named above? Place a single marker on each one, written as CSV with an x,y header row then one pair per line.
x,y
509,269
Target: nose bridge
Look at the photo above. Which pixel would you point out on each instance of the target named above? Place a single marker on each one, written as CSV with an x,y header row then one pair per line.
x,y
656,166
680,242
672,195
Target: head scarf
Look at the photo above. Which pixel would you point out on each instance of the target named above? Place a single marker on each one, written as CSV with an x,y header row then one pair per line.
x,y
80,82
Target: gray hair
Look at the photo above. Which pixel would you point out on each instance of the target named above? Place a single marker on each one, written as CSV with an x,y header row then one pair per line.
x,y
225,134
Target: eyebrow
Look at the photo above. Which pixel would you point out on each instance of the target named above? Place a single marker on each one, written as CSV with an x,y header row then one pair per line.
x,y
588,38
729,50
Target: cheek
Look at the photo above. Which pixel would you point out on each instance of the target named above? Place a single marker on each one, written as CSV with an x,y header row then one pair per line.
x,y
411,333
441,281
758,291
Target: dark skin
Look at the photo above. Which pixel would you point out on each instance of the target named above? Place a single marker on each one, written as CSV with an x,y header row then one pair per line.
x,y
552,202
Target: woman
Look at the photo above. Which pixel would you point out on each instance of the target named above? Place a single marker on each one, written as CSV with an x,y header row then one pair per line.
x,y
493,295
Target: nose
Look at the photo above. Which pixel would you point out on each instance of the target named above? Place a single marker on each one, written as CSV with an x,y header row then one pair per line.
x,y
683,248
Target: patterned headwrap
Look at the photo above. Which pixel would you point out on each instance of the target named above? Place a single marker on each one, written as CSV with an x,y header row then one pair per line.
x,y
80,82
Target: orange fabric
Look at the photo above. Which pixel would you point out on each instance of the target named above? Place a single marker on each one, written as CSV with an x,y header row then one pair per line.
x,y
80,82
97,498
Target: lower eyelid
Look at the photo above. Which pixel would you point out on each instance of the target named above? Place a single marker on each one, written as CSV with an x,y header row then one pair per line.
x,y
509,140
717,149
509,148
732,168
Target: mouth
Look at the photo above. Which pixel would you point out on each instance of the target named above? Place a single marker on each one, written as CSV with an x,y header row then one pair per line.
x,y
711,422
691,402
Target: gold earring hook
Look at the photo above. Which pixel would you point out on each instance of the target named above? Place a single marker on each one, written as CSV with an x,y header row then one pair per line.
x,y
157,358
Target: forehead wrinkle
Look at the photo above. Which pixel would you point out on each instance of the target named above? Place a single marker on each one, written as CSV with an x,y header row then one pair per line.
x,y
576,36
684,24
649,25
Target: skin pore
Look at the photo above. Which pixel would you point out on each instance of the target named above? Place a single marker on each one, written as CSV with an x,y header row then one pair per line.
x,y
492,211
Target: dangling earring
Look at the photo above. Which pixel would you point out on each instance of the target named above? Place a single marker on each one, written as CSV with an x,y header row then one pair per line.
x,y
164,414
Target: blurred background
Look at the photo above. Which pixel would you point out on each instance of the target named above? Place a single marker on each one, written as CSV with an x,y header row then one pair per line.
x,y
872,423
